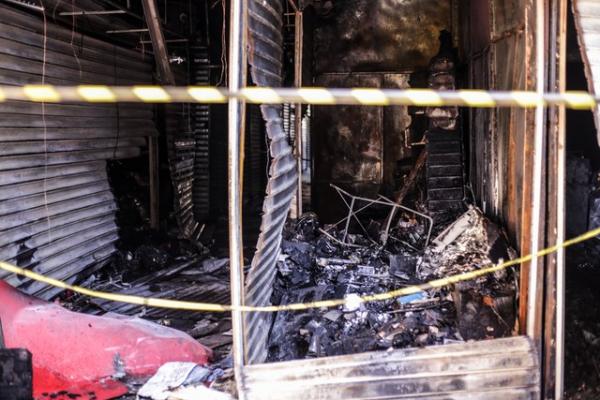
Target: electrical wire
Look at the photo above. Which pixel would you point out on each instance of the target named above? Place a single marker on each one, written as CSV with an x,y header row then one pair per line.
x,y
224,66
44,123
74,23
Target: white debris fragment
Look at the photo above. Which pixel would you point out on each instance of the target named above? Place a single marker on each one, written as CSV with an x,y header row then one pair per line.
x,y
455,230
197,393
171,376
352,302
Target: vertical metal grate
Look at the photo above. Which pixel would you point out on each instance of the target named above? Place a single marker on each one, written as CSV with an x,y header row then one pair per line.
x,y
201,130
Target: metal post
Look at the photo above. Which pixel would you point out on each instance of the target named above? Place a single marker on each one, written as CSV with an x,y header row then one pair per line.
x,y
236,128
298,48
561,205
536,184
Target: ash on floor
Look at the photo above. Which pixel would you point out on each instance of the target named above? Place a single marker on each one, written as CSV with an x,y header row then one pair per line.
x,y
582,326
329,263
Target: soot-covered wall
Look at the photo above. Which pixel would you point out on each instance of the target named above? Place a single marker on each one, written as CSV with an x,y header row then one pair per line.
x,y
368,43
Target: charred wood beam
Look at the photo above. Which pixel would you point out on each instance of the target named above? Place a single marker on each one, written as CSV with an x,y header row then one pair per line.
x,y
412,177
158,42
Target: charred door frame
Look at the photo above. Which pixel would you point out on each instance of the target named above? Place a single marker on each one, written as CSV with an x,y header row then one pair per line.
x,y
554,278
542,280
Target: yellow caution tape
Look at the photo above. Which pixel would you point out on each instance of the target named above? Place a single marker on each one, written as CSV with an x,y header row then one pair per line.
x,y
211,307
306,95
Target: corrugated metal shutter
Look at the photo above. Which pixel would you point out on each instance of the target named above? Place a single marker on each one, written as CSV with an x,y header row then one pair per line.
x,y
57,212
201,120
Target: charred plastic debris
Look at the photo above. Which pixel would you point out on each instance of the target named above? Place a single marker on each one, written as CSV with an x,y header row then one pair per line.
x,y
336,261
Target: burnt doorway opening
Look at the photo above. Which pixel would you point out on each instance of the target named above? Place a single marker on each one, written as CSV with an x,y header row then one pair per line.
x,y
582,373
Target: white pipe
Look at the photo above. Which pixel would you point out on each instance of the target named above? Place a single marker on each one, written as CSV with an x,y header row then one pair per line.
x,y
236,127
536,184
561,206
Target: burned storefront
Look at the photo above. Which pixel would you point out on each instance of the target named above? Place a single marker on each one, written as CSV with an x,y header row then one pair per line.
x,y
290,198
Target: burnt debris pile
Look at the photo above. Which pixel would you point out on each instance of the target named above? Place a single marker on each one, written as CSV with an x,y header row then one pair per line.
x,y
167,268
332,262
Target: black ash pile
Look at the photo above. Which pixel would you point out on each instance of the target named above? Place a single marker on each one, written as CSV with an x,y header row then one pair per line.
x,y
331,262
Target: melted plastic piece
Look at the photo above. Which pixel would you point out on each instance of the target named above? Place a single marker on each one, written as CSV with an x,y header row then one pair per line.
x,y
87,356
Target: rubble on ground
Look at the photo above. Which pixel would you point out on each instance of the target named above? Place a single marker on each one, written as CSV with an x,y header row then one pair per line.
x,y
329,263
169,269
184,380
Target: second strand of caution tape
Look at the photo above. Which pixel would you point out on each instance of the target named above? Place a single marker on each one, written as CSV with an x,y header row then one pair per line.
x,y
211,307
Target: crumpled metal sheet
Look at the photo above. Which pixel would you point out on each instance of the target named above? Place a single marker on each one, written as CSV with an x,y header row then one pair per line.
x,y
265,55
491,370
